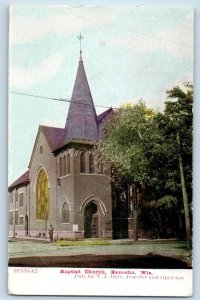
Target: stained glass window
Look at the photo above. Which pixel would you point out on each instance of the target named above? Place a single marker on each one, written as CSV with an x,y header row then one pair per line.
x,y
42,196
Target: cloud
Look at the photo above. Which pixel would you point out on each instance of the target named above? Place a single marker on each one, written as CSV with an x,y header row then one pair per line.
x,y
23,78
62,21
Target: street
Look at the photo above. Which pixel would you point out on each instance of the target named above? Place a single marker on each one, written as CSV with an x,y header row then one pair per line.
x,y
118,254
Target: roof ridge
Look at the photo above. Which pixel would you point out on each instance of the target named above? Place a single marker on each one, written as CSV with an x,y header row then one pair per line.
x,y
24,178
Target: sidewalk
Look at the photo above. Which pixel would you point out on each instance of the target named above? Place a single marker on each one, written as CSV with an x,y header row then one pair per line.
x,y
28,238
21,248
107,241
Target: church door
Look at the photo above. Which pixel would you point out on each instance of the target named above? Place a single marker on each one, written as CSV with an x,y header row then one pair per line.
x,y
26,225
91,220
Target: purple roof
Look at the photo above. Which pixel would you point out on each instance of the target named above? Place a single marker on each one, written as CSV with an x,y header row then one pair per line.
x,y
22,180
81,120
104,115
55,136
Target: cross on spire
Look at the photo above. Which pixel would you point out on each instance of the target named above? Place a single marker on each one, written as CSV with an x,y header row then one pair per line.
x,y
80,37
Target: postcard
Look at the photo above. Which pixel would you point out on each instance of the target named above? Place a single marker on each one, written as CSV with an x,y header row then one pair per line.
x,y
100,150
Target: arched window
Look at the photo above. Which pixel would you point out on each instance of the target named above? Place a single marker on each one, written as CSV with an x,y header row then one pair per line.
x,y
68,164
60,166
82,163
65,213
64,165
91,163
42,196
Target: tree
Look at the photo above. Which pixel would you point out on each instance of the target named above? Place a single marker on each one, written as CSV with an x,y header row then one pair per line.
x,y
123,148
178,114
152,153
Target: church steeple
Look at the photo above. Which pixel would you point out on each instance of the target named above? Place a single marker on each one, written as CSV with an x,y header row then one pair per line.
x,y
81,123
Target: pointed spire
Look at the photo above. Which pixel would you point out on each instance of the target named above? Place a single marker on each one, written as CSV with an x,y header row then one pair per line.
x,y
80,37
81,123
81,59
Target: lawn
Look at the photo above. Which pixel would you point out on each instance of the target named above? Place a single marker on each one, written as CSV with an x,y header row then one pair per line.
x,y
89,242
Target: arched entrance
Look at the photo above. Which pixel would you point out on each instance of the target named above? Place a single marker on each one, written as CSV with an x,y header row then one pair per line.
x,y
26,225
91,220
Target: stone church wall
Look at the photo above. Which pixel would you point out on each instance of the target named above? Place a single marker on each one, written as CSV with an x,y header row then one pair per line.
x,y
42,159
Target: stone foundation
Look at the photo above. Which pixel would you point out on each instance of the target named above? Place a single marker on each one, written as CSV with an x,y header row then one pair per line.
x,y
69,235
107,234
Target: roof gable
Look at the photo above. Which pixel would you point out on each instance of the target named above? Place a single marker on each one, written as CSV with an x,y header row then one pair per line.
x,y
22,180
54,136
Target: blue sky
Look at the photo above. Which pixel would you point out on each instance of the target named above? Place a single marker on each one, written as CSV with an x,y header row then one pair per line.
x,y
129,53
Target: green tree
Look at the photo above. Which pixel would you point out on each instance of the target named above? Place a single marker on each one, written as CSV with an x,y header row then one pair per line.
x,y
123,149
178,132
152,152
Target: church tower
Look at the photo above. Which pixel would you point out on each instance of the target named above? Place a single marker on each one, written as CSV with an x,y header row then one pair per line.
x,y
84,193
81,123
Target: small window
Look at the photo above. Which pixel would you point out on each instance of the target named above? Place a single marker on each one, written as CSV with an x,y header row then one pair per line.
x,y
16,217
11,218
21,200
60,166
11,197
91,164
68,164
82,163
16,195
65,213
21,220
64,165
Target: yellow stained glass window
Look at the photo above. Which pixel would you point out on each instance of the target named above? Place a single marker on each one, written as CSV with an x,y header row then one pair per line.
x,y
42,196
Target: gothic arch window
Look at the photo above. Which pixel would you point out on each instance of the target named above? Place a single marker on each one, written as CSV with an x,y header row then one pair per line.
x,y
60,166
91,163
68,164
64,165
83,162
42,196
65,213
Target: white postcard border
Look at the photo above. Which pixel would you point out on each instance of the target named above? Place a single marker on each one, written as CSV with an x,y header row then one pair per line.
x,y
104,282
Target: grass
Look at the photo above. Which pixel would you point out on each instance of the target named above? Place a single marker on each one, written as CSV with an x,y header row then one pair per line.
x,y
90,242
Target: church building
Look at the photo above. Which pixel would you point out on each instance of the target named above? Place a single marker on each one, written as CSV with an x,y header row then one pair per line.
x,y
64,186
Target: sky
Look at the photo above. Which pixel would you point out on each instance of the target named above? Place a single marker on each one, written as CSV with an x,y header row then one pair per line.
x,y
129,53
